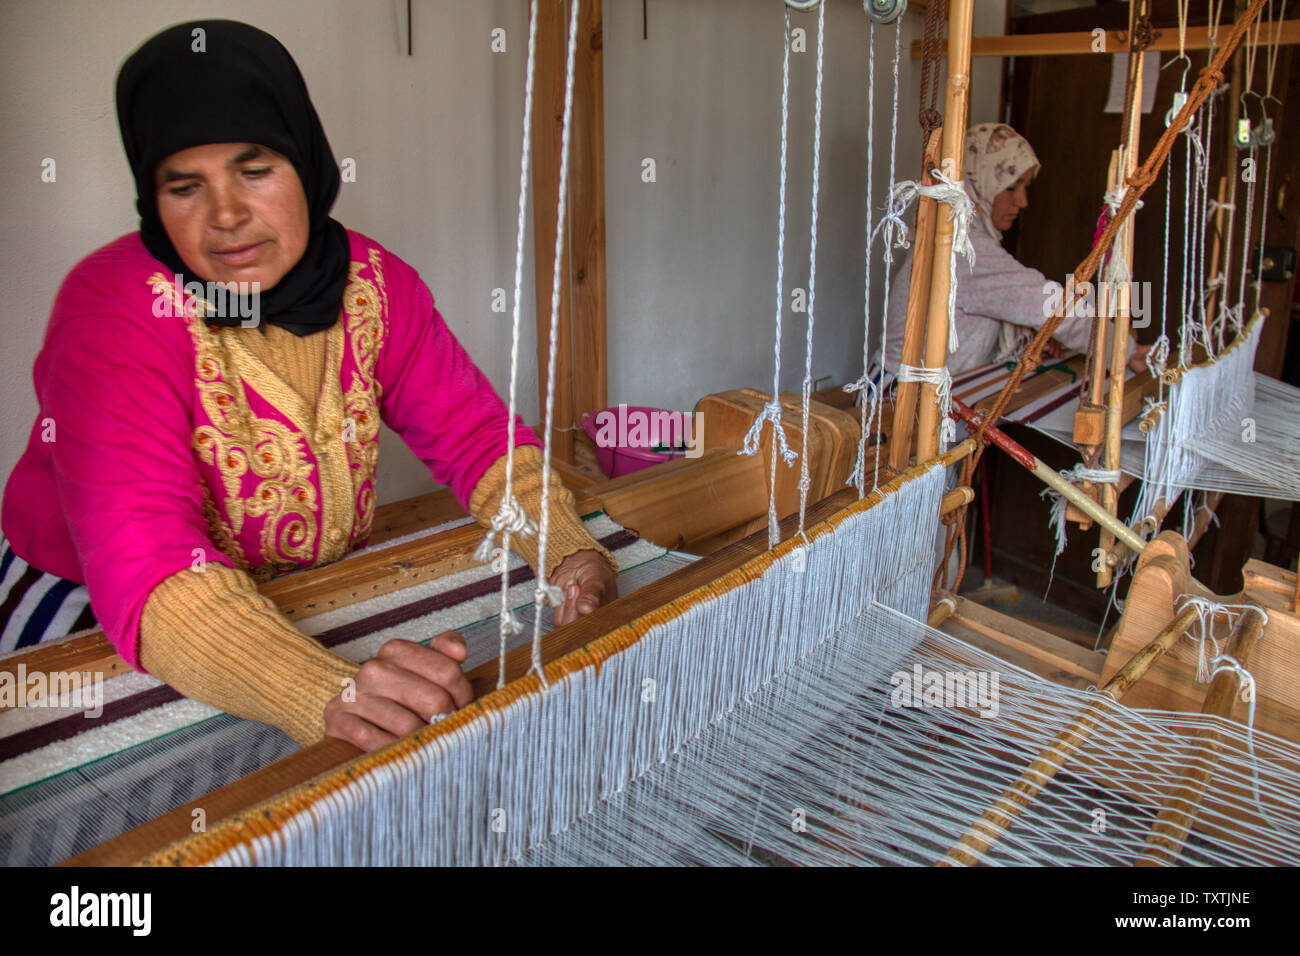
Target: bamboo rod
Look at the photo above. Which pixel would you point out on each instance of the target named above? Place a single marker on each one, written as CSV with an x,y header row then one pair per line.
x,y
944,608
1175,820
918,299
956,104
959,497
985,832
1048,476
1065,44
1090,419
1123,295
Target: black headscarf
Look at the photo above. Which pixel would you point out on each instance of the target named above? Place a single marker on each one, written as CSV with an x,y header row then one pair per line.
x,y
244,87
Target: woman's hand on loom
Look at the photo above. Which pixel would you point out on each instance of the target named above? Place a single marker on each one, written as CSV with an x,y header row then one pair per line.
x,y
399,691
1053,351
587,582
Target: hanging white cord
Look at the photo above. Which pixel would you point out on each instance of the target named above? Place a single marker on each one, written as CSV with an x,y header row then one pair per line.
x,y
545,591
889,254
1271,54
772,410
805,479
508,518
870,391
895,231
1252,49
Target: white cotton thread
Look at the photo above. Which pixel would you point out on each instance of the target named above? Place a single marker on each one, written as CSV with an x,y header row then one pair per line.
x,y
507,514
546,591
870,400
889,256
772,410
868,414
805,480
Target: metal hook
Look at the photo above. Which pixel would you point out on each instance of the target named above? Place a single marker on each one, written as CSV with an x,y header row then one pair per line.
x,y
1187,65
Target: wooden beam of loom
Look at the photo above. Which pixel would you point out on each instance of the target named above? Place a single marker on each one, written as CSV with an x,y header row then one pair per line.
x,y
956,107
1160,581
1122,246
918,301
1115,41
240,799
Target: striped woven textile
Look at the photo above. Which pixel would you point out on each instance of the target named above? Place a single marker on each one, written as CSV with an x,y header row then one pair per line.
x,y
131,748
975,385
36,606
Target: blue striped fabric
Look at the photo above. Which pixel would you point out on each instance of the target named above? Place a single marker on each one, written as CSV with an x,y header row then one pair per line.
x,y
35,606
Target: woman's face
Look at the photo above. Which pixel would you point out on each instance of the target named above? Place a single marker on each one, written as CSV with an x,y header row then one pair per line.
x,y
236,212
1008,203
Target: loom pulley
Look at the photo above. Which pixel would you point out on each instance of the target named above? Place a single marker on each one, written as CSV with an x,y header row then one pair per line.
x,y
884,11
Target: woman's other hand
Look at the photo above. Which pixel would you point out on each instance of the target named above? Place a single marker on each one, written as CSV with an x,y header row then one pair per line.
x,y
587,581
399,691
1138,360
1053,351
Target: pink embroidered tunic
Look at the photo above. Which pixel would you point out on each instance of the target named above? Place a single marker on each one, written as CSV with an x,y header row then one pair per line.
x,y
162,442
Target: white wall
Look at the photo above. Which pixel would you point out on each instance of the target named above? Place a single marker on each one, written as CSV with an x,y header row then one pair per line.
x,y
691,257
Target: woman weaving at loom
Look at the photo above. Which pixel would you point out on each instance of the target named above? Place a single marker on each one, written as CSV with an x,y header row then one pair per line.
x,y
999,301
178,460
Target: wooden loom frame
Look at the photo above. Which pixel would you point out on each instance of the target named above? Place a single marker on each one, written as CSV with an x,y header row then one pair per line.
x,y
257,802
579,643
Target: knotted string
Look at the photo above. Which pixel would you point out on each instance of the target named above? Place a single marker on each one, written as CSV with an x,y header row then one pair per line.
x,y
941,379
771,413
960,210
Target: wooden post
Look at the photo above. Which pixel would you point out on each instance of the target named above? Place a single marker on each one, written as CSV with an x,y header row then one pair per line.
x,y
587,222
1090,419
956,104
985,832
918,299
1179,813
580,376
1123,298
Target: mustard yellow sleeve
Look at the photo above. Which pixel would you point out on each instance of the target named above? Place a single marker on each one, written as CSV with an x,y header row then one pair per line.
x,y
566,534
214,638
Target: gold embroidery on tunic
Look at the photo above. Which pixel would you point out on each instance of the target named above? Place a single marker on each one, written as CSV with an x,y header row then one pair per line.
x,y
286,498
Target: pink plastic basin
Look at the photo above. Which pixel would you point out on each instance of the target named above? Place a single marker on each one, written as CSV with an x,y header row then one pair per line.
x,y
617,458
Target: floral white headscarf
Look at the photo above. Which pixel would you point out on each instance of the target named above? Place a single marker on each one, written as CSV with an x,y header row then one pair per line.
x,y
996,157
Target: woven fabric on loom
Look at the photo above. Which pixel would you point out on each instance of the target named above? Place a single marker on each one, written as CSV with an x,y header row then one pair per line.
x,y
68,780
1228,429
538,759
768,719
